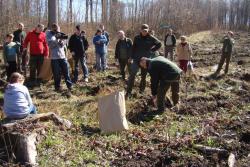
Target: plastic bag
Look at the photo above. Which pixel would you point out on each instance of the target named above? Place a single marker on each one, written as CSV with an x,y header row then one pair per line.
x,y
190,67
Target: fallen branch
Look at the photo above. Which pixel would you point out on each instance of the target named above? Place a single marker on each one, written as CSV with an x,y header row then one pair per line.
x,y
11,125
210,150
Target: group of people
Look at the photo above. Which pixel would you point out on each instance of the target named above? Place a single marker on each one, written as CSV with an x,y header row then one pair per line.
x,y
141,53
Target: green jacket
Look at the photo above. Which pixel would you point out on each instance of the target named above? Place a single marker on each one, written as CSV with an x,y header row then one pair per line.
x,y
143,46
118,46
162,70
227,45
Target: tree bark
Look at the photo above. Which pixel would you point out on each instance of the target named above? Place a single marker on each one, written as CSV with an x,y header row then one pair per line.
x,y
87,12
52,12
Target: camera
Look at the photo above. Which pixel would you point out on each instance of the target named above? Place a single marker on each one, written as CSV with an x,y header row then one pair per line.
x,y
62,36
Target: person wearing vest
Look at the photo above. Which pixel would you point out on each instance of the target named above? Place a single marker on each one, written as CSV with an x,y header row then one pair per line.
x,y
123,51
170,43
164,74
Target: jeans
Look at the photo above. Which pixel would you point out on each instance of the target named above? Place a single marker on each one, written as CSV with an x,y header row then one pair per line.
x,y
33,109
101,61
61,67
85,69
36,62
133,71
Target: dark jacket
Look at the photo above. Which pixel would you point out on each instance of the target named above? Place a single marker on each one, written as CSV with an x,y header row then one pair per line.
x,y
78,45
129,45
19,36
173,40
143,46
162,70
227,45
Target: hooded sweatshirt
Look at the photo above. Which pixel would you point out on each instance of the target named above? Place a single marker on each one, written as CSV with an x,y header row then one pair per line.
x,y
17,101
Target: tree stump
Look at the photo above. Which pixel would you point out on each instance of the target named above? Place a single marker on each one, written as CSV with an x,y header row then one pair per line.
x,y
19,137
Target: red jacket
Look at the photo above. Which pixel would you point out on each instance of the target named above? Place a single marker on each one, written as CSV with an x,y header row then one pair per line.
x,y
38,44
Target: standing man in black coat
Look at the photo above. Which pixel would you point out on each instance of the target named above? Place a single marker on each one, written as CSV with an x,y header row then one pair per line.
x,y
78,45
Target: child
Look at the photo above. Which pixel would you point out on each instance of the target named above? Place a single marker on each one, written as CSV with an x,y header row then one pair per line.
x,y
10,52
17,100
183,53
100,41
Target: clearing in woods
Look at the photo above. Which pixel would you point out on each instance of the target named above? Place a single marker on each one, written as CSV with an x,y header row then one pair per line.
x,y
213,113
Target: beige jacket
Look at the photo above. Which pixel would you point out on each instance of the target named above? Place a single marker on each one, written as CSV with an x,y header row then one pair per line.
x,y
184,53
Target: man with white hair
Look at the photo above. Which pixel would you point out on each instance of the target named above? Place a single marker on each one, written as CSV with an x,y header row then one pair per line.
x,y
123,51
19,36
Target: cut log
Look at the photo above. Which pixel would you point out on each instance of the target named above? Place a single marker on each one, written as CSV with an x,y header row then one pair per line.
x,y
25,151
18,138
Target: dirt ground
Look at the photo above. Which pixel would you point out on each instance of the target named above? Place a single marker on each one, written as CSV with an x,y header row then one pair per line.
x,y
214,112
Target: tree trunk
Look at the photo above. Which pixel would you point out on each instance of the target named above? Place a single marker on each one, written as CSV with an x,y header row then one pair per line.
x,y
87,12
96,13
91,11
53,12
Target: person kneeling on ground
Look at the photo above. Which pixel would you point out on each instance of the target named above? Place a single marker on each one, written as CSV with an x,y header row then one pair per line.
x,y
164,74
17,100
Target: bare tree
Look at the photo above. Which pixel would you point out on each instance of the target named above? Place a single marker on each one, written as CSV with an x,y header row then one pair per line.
x,y
87,12
53,12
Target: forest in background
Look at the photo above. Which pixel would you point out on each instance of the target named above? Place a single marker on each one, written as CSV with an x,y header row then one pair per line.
x,y
184,16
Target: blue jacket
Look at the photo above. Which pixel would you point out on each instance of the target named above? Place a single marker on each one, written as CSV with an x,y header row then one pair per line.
x,y
100,48
17,101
